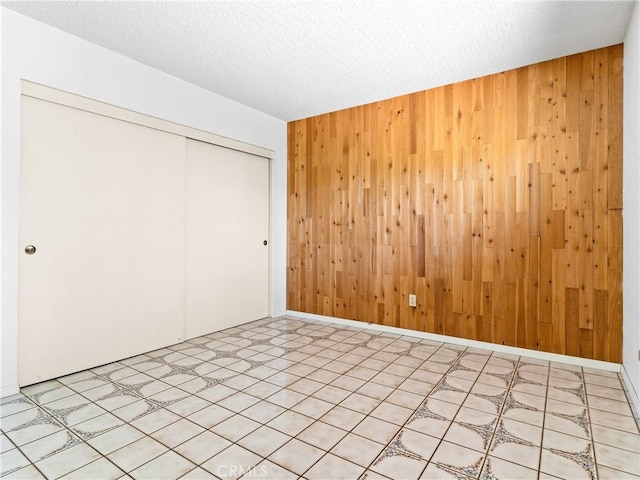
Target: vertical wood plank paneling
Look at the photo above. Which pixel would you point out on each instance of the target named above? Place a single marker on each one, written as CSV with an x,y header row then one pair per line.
x,y
572,322
497,201
558,299
614,297
546,248
614,126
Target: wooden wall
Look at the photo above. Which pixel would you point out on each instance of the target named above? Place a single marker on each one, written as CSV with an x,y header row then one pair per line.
x,y
497,201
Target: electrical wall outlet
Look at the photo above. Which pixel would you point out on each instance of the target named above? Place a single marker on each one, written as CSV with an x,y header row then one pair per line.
x,y
412,300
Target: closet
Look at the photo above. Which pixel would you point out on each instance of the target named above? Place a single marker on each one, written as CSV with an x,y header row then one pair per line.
x,y
135,234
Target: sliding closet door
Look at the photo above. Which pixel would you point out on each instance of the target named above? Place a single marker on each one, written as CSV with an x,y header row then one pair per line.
x,y
227,261
102,205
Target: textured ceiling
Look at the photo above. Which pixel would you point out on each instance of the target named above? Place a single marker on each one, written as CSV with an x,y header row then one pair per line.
x,y
294,59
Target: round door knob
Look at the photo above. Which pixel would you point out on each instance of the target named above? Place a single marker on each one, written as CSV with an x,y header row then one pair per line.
x,y
264,243
29,249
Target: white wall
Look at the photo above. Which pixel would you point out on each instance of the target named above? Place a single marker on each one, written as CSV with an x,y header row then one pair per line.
x,y
631,211
39,53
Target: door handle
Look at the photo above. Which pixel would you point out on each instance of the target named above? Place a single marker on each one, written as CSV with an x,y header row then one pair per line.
x,y
29,249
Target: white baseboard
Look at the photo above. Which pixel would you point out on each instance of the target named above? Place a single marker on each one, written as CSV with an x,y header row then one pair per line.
x,y
523,352
632,394
8,390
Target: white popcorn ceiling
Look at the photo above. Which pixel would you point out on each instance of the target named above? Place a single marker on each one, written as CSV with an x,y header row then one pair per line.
x,y
295,59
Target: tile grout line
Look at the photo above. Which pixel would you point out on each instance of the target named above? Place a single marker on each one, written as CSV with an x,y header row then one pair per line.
x,y
544,419
588,412
501,409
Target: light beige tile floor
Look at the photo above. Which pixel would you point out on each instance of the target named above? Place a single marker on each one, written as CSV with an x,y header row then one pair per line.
x,y
292,398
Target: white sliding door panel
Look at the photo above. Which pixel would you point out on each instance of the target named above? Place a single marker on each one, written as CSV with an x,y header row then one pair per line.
x,y
227,263
103,202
